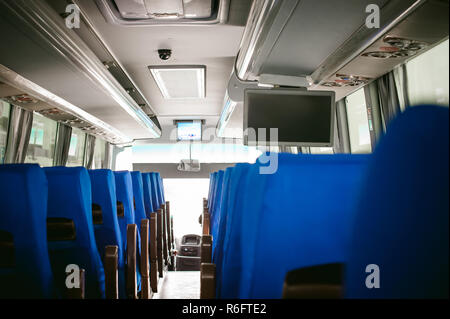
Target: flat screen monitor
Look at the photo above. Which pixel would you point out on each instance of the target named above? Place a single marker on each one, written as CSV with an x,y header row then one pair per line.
x,y
189,130
303,118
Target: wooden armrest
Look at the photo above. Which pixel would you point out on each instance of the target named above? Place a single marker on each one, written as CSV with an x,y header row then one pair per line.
x,y
165,234
205,222
111,262
145,289
131,281
159,242
206,249
207,281
153,253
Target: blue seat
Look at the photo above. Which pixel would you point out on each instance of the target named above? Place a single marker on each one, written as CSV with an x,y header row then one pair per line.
x,y
160,188
225,221
106,223
212,176
148,201
138,197
25,270
213,190
232,263
220,210
124,193
154,191
402,217
218,195
304,219
70,205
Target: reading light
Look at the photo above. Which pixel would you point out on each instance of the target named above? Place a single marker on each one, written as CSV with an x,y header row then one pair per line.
x,y
180,82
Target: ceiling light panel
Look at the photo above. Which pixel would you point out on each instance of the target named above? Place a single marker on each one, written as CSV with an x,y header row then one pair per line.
x,y
165,9
180,82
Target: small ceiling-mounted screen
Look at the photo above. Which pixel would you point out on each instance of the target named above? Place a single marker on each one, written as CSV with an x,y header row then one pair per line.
x,y
301,118
189,130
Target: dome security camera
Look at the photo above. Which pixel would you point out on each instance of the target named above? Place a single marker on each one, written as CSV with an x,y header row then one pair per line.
x,y
165,54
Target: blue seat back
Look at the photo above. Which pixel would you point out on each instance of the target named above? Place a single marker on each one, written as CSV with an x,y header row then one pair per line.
x,y
107,232
218,192
402,218
225,222
221,210
70,197
124,194
25,271
148,201
305,219
138,197
155,197
160,188
232,263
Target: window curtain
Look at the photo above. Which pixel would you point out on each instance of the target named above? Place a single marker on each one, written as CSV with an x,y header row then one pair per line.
x,y
89,152
342,138
401,81
388,98
21,122
108,162
373,112
62,145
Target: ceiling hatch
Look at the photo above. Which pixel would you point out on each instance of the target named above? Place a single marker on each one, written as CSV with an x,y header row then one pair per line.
x,y
180,81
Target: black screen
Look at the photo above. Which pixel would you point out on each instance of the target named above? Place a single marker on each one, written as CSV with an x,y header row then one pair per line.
x,y
301,117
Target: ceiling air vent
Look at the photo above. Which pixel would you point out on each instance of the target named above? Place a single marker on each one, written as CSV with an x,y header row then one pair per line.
x,y
397,48
180,82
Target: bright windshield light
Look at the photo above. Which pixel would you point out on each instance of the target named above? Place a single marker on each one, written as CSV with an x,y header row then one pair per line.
x,y
189,131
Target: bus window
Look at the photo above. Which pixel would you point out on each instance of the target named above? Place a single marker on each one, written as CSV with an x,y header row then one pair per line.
x,y
42,141
428,77
99,154
76,148
4,122
358,124
321,150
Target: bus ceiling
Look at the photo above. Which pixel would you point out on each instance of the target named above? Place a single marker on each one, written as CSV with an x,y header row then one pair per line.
x,y
137,68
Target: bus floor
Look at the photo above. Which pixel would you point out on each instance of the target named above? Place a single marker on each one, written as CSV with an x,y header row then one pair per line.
x,y
179,285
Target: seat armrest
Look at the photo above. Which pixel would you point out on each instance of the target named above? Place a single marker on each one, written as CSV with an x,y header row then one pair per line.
x,y
111,262
145,290
205,222
206,249
207,281
131,281
153,253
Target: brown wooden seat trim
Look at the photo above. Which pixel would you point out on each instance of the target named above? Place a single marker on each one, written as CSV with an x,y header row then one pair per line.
x,y
111,262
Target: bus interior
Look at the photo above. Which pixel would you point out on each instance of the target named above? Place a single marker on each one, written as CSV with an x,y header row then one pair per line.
x,y
224,149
